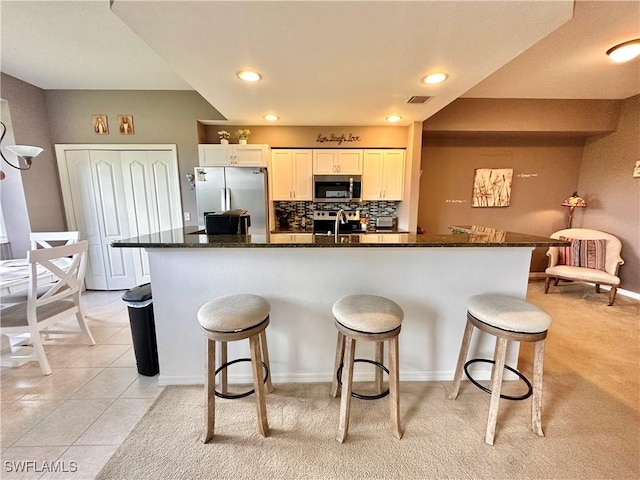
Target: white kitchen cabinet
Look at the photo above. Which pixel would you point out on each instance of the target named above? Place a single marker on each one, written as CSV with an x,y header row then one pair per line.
x,y
337,162
291,175
383,175
233,155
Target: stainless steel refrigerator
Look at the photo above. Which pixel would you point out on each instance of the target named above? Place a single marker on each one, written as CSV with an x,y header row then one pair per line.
x,y
219,189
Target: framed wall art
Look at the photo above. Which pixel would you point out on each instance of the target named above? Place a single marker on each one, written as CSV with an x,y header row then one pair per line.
x,y
100,125
125,123
492,187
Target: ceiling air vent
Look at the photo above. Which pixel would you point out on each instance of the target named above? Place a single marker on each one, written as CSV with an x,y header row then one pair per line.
x,y
418,99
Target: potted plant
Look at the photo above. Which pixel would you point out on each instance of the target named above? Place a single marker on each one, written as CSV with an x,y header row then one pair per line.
x,y
224,137
243,134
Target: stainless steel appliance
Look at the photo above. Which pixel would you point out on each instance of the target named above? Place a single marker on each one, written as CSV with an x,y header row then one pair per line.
x,y
325,222
337,188
219,189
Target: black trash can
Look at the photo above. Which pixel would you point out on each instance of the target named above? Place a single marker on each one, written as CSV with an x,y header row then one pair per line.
x,y
143,328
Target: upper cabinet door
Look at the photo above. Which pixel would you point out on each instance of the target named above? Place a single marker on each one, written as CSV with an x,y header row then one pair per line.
x,y
281,174
250,155
232,155
393,175
372,175
383,175
337,162
215,155
324,162
302,175
291,175
349,162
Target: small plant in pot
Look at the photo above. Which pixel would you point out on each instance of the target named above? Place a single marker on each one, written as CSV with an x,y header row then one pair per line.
x,y
224,136
243,134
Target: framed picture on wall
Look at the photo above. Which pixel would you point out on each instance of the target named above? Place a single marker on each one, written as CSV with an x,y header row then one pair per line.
x,y
492,187
125,123
636,169
100,125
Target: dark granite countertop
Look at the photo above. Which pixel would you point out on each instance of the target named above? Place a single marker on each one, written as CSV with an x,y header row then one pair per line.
x,y
461,236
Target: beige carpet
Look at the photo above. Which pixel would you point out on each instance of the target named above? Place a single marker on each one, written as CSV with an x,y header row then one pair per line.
x,y
590,418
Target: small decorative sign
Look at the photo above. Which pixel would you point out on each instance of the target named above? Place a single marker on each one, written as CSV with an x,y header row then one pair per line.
x,y
454,200
126,124
526,175
337,139
100,125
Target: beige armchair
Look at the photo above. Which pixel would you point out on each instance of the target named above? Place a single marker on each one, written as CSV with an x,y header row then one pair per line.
x,y
608,276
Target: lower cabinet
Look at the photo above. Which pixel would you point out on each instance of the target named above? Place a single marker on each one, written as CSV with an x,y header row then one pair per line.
x,y
383,175
291,175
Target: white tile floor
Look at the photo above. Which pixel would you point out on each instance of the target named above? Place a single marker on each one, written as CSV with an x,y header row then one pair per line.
x,y
73,420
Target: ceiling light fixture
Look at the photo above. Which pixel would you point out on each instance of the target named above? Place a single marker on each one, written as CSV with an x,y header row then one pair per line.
x,y
393,118
625,51
271,118
24,152
249,76
437,77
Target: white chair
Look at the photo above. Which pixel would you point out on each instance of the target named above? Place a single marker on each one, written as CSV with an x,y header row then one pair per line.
x,y
42,239
612,261
14,274
49,302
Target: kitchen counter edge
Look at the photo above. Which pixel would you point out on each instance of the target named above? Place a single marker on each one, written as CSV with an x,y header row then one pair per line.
x,y
461,236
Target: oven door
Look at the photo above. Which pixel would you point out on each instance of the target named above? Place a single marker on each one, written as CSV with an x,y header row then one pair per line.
x,y
337,188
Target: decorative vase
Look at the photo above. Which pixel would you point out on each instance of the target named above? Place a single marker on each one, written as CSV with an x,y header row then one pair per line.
x,y
224,141
242,141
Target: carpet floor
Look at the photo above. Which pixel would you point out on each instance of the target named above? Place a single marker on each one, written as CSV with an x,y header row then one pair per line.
x,y
590,418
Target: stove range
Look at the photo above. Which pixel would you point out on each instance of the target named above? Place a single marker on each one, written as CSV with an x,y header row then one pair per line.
x,y
324,222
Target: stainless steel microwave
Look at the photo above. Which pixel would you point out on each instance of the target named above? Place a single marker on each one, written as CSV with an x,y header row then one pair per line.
x,y
337,188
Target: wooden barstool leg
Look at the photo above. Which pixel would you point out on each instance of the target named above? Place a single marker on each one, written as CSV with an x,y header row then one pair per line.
x,y
462,357
496,385
258,385
394,387
265,358
380,360
335,387
347,381
536,402
209,387
224,385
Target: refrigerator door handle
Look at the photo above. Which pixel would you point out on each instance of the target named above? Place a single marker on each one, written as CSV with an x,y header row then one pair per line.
x,y
228,199
223,199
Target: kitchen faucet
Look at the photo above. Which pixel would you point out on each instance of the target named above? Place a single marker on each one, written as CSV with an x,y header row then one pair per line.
x,y
342,218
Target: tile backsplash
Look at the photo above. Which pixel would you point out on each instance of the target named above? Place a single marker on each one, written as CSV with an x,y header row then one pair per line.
x,y
297,210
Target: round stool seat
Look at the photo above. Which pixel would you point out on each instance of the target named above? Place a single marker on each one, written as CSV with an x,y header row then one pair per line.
x,y
368,313
233,313
508,313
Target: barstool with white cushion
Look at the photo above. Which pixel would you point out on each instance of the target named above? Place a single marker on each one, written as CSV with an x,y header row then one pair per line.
x,y
507,318
373,319
226,319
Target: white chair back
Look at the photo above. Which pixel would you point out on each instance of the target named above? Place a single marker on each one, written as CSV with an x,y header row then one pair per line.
x,y
42,239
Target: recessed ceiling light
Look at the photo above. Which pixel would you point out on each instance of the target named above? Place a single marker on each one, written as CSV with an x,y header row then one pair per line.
x,y
625,51
271,118
249,76
393,118
438,77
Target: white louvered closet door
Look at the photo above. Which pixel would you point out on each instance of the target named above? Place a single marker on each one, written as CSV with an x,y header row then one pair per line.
x,y
111,193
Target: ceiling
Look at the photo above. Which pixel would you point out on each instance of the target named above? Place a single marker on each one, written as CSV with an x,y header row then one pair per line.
x,y
324,62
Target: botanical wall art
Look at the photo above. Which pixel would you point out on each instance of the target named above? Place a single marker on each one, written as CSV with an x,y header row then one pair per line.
x,y
126,124
100,125
492,187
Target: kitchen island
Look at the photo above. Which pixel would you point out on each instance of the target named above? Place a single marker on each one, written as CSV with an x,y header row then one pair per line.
x,y
302,275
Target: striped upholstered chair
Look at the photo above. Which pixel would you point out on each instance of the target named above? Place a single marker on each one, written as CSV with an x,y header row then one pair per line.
x,y
592,257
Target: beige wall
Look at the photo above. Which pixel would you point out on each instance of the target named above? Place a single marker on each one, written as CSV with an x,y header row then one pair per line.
x,y
45,118
548,166
307,137
31,127
611,192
